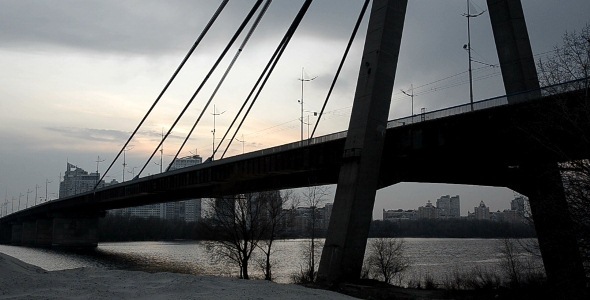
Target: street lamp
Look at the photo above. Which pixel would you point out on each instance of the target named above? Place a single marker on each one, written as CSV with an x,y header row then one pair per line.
x,y
468,48
315,113
125,160
47,182
302,79
242,141
410,95
213,131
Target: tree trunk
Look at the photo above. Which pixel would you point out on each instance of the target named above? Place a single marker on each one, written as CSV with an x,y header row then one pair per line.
x,y
245,269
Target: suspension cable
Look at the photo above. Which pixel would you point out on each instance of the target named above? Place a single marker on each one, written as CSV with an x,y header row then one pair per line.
x,y
241,48
219,59
186,57
269,69
352,36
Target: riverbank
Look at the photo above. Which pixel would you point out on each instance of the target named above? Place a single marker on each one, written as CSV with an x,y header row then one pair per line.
x,y
19,280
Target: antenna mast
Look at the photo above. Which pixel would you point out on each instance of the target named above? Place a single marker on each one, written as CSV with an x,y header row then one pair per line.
x,y
468,48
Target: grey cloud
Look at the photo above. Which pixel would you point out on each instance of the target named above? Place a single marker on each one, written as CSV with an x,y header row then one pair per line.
x,y
149,27
107,135
90,134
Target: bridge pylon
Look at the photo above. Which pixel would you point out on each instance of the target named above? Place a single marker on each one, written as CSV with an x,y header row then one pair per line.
x,y
344,249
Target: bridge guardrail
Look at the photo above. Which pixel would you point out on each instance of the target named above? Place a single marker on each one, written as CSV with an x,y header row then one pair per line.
x,y
491,102
437,114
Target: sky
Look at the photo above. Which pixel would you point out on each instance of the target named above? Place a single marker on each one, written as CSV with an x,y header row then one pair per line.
x,y
76,78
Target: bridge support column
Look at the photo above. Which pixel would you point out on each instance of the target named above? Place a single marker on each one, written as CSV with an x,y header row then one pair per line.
x,y
542,185
5,234
29,233
344,249
555,230
514,49
75,231
17,234
44,233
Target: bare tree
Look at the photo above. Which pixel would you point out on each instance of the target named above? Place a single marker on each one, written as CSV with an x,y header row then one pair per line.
x,y
571,61
312,197
274,220
386,258
240,223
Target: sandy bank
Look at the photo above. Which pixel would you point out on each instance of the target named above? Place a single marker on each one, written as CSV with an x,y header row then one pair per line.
x,y
19,280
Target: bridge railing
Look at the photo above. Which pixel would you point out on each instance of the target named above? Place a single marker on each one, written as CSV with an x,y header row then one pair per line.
x,y
569,86
437,114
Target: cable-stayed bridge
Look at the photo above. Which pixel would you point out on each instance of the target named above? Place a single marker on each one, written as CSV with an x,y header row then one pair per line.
x,y
514,141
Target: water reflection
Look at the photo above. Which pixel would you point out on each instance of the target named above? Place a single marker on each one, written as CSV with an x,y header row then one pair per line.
x,y
438,258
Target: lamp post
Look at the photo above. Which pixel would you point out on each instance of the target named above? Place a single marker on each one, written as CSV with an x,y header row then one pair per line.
x,y
303,80
410,95
97,175
47,182
242,141
468,48
125,160
214,115
28,192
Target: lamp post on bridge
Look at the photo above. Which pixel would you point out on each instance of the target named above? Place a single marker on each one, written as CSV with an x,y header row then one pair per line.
x,y
20,195
36,192
412,96
303,80
213,131
468,48
243,142
47,182
315,113
28,192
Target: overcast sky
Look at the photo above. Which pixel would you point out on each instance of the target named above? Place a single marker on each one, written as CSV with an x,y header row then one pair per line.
x,y
76,78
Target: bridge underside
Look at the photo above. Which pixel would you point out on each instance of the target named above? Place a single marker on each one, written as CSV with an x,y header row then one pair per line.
x,y
486,147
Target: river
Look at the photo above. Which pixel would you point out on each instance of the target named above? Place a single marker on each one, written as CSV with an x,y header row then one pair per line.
x,y
433,257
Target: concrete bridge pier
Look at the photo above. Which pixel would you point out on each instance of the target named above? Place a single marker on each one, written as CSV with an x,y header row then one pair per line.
x,y
344,249
29,233
44,233
540,182
5,234
75,231
543,186
17,234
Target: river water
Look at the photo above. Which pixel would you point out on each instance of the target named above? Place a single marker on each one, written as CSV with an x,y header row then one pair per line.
x,y
435,258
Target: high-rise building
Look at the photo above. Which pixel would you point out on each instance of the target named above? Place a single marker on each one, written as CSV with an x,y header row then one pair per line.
x,y
76,181
428,211
481,212
449,207
187,210
187,161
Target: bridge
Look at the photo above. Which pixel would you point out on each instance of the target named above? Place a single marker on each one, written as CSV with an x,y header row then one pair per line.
x,y
513,141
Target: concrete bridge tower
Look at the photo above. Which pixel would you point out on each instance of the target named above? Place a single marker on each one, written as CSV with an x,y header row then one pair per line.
x,y
344,249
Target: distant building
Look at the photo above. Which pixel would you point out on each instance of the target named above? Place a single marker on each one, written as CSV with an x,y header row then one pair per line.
x,y
428,211
187,210
187,161
399,215
481,212
299,220
449,207
76,181
517,204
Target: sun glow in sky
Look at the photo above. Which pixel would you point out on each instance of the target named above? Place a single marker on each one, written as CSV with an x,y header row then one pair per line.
x,y
78,76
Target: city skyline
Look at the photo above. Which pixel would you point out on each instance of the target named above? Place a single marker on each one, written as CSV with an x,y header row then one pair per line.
x,y
78,77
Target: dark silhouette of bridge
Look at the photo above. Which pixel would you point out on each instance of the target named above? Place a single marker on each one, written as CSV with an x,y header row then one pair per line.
x,y
513,141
